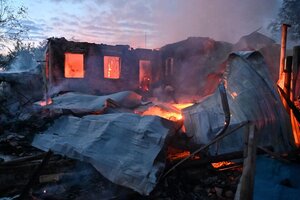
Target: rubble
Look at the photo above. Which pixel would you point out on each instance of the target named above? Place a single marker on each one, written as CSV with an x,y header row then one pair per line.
x,y
112,147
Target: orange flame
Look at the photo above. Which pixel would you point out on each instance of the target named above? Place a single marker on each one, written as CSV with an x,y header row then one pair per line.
x,y
173,116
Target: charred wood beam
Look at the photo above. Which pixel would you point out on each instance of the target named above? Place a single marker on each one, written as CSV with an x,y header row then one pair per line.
x,y
210,159
219,158
35,175
284,28
29,163
288,75
230,167
246,185
291,104
225,107
295,71
23,159
273,154
15,177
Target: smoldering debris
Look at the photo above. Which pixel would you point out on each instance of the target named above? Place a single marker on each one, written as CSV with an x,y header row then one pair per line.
x,y
125,153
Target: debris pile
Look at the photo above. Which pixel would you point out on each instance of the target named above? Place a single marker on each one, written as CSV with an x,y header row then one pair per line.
x,y
72,145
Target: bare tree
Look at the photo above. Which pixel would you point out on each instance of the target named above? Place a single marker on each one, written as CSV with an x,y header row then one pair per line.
x,y
12,29
288,14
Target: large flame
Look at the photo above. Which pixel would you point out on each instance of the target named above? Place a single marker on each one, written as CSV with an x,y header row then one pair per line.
x,y
172,112
158,111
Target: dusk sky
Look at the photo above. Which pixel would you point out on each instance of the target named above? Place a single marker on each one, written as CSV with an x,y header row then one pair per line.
x,y
163,21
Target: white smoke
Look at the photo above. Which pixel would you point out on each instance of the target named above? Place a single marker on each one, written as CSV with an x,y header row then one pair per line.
x,y
163,21
225,20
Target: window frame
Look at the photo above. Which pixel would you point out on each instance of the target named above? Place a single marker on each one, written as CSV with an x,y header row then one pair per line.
x,y
105,75
68,75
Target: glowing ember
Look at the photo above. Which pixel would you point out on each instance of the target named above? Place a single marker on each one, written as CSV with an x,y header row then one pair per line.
x,y
221,164
175,154
45,103
179,155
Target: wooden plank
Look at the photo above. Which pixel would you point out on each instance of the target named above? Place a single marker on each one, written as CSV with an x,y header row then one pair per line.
x,y
273,154
246,185
35,175
295,71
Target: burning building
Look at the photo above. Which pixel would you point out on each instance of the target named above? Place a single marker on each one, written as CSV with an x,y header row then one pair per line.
x,y
104,69
99,68
98,114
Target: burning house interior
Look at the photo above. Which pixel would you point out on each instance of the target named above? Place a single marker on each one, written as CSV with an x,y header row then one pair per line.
x,y
196,119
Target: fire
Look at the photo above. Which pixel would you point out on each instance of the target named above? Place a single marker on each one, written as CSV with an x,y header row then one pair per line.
x,y
158,111
221,164
46,102
168,111
74,65
181,106
112,67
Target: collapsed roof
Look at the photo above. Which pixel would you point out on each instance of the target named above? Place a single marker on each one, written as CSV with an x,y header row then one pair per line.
x,y
253,97
123,147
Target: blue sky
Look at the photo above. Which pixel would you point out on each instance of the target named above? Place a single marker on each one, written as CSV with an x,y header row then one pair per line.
x,y
163,21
